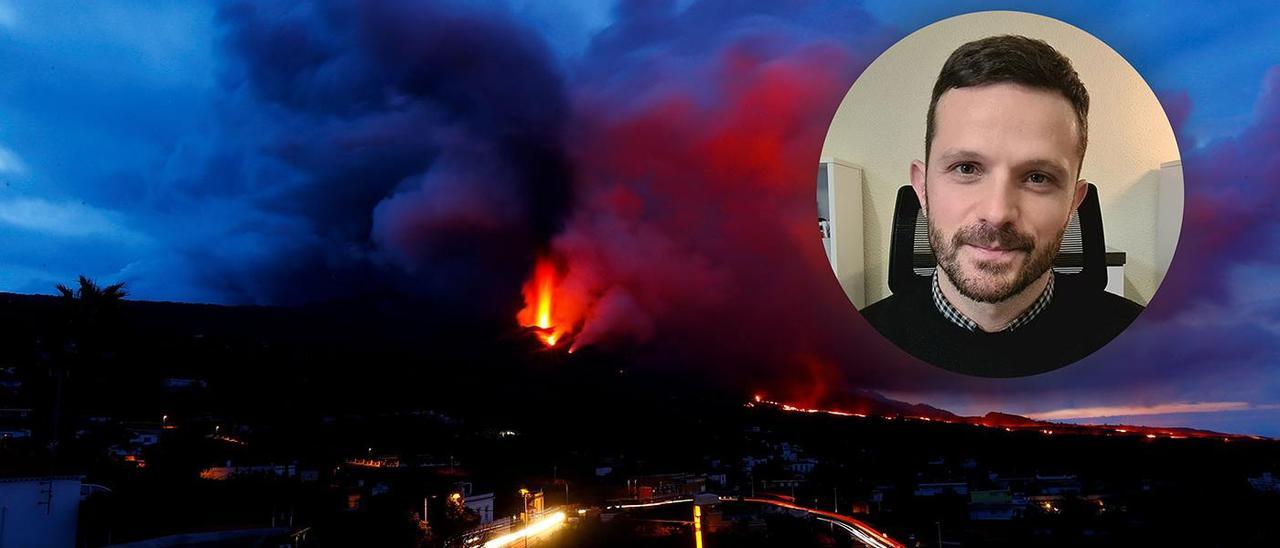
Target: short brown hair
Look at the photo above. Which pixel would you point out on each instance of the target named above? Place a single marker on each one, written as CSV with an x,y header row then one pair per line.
x,y
1012,59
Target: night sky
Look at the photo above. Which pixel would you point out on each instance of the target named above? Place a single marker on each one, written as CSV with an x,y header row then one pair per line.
x,y
662,153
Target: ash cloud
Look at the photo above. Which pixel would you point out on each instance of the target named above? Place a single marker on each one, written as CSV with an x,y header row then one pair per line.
x,y
377,146
696,136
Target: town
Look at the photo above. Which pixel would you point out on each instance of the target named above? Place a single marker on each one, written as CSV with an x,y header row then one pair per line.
x,y
224,432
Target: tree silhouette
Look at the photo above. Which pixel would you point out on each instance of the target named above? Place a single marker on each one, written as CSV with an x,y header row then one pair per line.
x,y
90,304
88,318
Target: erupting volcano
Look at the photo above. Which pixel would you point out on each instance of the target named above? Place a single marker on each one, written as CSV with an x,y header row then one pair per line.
x,y
539,312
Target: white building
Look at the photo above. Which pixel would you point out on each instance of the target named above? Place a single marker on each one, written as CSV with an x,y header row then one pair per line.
x,y
481,504
39,512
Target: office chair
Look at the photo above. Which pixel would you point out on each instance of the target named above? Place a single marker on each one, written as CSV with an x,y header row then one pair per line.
x,y
1082,259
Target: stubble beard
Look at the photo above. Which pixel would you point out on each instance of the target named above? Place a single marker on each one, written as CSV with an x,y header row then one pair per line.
x,y
991,288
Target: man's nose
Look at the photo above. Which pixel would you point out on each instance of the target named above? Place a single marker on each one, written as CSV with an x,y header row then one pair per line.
x,y
999,201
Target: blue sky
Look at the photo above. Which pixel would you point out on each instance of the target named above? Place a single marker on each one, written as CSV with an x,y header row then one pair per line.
x,y
1216,52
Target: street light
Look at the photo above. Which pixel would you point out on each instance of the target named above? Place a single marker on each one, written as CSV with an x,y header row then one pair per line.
x,y
566,491
426,509
524,494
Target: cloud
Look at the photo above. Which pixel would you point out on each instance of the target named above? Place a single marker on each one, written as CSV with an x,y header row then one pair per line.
x,y
8,16
67,219
10,163
388,146
1160,409
1231,184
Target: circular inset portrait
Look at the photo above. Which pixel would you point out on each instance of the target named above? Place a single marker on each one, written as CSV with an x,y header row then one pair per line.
x,y
1000,194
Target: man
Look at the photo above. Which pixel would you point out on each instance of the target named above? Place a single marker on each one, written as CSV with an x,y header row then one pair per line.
x,y
1004,142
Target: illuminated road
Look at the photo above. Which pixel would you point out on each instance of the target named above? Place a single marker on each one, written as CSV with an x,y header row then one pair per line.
x,y
858,529
545,525
866,538
861,531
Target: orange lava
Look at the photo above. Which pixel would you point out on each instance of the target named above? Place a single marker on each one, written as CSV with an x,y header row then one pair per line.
x,y
539,310
1010,423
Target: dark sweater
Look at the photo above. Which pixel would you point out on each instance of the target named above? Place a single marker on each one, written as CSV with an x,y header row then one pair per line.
x,y
1076,322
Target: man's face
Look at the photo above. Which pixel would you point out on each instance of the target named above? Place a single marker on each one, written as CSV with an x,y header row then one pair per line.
x,y
1001,186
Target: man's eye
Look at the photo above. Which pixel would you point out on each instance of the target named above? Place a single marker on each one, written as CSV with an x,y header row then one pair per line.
x,y
966,169
1039,178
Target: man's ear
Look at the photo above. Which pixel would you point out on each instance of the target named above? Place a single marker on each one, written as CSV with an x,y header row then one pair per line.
x,y
917,183
1082,188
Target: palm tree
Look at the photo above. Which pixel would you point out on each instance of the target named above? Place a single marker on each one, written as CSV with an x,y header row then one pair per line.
x,y
92,301
88,313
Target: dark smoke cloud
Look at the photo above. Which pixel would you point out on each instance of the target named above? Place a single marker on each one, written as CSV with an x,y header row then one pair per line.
x,y
382,146
430,146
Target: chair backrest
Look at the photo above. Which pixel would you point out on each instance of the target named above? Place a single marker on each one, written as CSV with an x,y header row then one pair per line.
x,y
1082,257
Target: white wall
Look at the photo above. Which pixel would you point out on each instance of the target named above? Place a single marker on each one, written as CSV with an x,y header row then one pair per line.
x,y
39,512
880,127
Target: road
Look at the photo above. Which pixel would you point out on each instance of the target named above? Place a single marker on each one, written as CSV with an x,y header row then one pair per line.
x,y
858,529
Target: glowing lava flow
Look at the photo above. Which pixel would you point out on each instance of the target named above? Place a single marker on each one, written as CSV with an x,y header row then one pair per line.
x,y
1010,423
539,299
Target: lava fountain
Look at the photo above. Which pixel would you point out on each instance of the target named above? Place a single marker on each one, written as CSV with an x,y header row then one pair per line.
x,y
539,312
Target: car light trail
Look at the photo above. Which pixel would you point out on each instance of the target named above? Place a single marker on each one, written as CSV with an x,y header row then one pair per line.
x,y
865,538
870,536
647,504
543,525
863,532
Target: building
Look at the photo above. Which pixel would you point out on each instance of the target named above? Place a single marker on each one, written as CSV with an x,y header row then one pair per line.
x,y
994,505
176,384
9,433
1265,483
482,505
39,512
663,486
803,466
222,473
15,423
1067,484
942,488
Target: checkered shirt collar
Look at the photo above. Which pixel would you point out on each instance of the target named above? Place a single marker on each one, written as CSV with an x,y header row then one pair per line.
x,y
955,316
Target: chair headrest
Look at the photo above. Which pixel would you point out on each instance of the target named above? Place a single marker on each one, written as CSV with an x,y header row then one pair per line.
x,y
1082,259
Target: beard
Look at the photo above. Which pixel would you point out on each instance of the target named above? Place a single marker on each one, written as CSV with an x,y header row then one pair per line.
x,y
993,282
